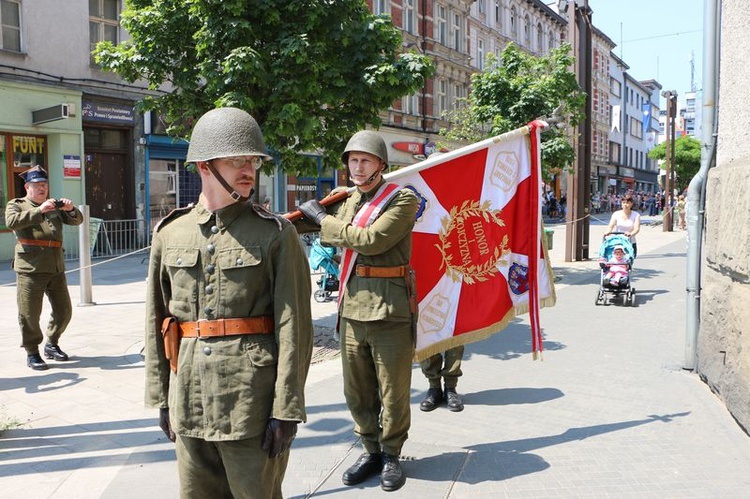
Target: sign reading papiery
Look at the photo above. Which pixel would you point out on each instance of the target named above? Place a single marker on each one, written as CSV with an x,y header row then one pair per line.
x,y
478,251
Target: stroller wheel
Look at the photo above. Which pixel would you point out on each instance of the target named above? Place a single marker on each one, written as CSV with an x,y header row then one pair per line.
x,y
321,296
632,297
599,298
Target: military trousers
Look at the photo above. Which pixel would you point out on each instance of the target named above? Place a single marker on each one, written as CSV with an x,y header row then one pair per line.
x,y
237,469
377,360
446,365
30,291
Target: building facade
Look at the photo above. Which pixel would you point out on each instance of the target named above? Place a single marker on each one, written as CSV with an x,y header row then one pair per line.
x,y
634,128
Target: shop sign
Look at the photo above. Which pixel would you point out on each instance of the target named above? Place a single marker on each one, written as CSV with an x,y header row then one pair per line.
x,y
108,113
410,147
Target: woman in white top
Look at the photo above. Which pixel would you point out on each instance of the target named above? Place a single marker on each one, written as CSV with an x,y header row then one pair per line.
x,y
626,221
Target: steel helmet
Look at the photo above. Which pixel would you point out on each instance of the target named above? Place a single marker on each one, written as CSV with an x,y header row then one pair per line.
x,y
225,132
366,141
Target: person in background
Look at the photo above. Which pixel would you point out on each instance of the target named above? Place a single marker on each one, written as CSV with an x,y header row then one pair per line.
x,y
377,305
626,221
679,208
445,366
228,322
37,222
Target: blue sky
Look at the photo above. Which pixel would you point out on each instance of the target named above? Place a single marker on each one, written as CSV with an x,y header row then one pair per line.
x,y
657,38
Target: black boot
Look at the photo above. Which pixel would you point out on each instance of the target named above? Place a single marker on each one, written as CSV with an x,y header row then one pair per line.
x,y
366,466
35,361
454,401
433,399
392,478
53,352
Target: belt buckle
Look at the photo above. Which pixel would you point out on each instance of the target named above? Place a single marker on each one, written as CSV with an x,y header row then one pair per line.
x,y
363,270
206,328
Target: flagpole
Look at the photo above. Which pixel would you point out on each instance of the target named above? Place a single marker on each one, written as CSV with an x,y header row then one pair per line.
x,y
427,163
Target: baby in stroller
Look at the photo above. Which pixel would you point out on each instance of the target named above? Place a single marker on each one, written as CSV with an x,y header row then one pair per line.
x,y
615,260
617,271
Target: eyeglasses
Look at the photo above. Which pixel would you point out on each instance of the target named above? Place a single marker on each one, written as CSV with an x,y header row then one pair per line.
x,y
238,162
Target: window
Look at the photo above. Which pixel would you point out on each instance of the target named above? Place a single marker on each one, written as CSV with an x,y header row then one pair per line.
x,y
498,15
526,31
442,99
636,128
409,16
614,152
551,41
480,54
458,94
380,6
480,6
539,37
614,87
10,21
104,22
513,27
18,153
411,104
457,33
442,23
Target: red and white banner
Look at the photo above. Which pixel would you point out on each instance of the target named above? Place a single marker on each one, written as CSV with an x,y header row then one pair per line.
x,y
478,251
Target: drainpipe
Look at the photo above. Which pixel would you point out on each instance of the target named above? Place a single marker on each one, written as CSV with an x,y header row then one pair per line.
x,y
696,201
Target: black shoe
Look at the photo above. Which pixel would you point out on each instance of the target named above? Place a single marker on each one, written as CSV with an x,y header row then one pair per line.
x,y
366,466
454,401
36,362
392,478
53,352
433,399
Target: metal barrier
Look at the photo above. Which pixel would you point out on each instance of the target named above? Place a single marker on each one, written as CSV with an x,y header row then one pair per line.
x,y
108,238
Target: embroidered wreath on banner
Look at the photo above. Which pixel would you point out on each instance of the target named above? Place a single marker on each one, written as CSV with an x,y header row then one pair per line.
x,y
462,263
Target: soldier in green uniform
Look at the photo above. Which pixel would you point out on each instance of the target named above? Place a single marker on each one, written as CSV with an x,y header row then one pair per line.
x,y
233,283
376,314
38,222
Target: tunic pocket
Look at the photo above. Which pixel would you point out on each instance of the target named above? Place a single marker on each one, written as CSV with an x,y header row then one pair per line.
x,y
182,266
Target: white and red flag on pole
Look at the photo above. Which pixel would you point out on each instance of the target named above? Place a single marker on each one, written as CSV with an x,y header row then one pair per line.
x,y
477,251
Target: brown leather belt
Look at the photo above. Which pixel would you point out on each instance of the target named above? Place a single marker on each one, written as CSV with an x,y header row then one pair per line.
x,y
47,243
368,271
227,327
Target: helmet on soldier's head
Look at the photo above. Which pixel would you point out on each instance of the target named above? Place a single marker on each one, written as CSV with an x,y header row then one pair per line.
x,y
366,141
225,132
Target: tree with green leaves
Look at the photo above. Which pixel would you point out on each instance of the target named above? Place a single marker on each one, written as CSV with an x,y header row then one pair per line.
x,y
516,89
310,72
687,159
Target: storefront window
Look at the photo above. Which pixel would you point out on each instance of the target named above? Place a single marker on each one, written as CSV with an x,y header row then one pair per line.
x,y
18,153
163,188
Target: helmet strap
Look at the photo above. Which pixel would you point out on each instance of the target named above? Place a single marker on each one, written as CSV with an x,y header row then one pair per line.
x,y
234,194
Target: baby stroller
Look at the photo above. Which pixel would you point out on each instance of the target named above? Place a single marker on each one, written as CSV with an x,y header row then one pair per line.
x,y
620,287
324,258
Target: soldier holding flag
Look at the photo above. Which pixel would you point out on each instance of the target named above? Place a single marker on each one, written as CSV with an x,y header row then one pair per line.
x,y
377,305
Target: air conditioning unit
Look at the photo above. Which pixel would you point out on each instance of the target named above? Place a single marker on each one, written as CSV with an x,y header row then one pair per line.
x,y
54,113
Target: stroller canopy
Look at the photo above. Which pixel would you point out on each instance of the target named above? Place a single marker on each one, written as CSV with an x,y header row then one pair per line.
x,y
611,241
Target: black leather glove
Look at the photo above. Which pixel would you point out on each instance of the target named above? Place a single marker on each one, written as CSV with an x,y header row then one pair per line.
x,y
313,211
164,423
279,436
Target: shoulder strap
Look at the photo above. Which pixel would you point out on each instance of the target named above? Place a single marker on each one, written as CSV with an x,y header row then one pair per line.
x,y
367,214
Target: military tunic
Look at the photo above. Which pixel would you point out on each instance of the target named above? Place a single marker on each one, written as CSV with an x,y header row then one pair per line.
x,y
40,269
238,262
377,339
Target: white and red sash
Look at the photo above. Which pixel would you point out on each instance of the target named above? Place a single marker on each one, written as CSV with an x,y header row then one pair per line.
x,y
364,217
